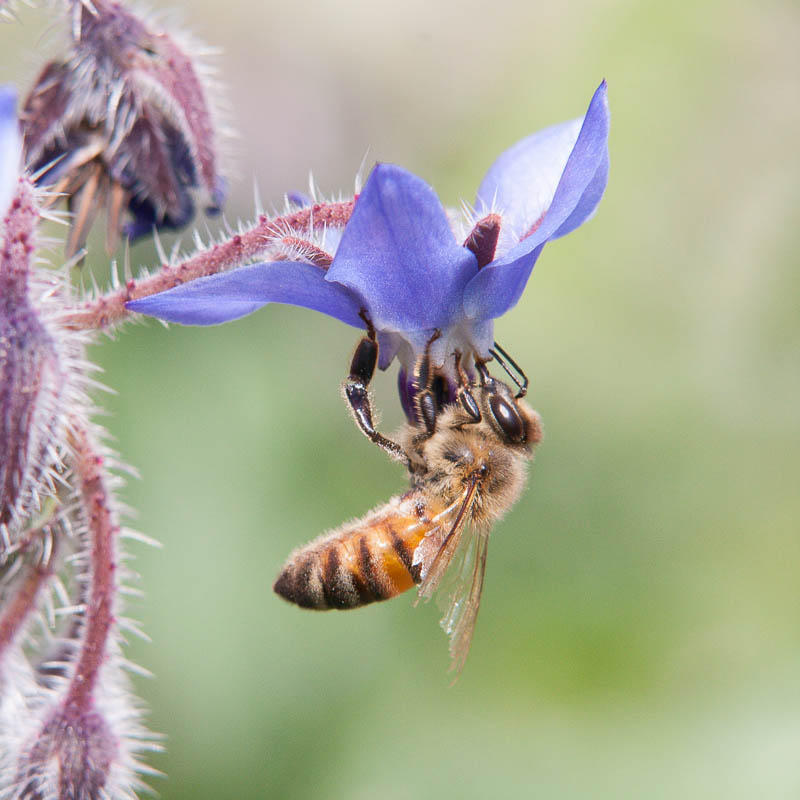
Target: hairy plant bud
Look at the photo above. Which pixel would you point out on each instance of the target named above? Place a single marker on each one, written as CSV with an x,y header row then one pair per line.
x,y
70,758
123,122
32,378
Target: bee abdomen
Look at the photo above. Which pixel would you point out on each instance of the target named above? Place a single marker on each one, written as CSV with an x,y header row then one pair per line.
x,y
350,569
300,581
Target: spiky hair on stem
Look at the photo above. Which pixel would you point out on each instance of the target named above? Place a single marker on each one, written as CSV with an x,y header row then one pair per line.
x,y
69,724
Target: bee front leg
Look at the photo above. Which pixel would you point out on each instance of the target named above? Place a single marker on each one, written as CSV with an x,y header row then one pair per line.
x,y
425,399
425,403
464,395
356,392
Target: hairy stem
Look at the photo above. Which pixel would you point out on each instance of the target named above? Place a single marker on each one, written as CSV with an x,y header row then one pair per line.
x,y
103,529
109,309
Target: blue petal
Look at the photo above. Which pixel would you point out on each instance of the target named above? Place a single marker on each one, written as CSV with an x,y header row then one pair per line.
x,y
492,292
520,185
399,253
587,204
585,175
544,177
10,147
499,285
231,295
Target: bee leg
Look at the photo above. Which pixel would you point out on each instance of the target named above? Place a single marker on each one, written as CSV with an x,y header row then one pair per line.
x,y
464,395
425,400
517,375
356,392
486,379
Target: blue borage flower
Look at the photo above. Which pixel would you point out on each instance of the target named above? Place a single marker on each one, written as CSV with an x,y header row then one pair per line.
x,y
398,261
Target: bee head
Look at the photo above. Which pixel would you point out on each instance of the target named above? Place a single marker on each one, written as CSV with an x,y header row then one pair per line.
x,y
510,418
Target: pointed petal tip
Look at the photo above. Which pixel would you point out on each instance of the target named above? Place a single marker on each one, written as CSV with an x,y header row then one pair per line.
x,y
598,105
386,171
601,93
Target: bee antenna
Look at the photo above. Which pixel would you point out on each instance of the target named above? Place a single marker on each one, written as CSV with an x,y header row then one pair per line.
x,y
508,364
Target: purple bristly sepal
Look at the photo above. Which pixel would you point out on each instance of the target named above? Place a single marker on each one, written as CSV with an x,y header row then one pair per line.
x,y
32,374
124,122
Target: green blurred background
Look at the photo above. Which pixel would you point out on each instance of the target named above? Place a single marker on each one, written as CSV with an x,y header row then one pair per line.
x,y
640,628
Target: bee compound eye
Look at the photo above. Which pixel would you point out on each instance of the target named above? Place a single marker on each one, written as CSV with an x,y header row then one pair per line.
x,y
507,418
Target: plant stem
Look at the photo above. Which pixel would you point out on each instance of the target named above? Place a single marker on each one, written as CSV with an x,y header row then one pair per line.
x,y
103,529
109,309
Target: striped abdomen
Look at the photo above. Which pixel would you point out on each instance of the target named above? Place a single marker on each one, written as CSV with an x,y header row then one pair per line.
x,y
361,562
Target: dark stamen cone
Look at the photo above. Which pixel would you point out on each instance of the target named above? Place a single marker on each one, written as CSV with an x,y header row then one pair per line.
x,y
482,240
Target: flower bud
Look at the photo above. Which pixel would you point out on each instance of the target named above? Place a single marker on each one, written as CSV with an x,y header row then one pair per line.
x,y
32,378
71,758
122,122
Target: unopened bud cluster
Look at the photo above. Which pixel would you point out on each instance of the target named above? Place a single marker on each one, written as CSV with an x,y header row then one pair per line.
x,y
68,727
123,123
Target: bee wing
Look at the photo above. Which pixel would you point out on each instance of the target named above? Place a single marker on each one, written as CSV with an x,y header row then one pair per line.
x,y
463,558
435,552
459,597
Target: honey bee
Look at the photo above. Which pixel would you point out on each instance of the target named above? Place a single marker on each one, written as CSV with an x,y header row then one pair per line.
x,y
467,461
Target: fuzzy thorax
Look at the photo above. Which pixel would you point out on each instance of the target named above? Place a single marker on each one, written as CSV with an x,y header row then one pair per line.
x,y
463,452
